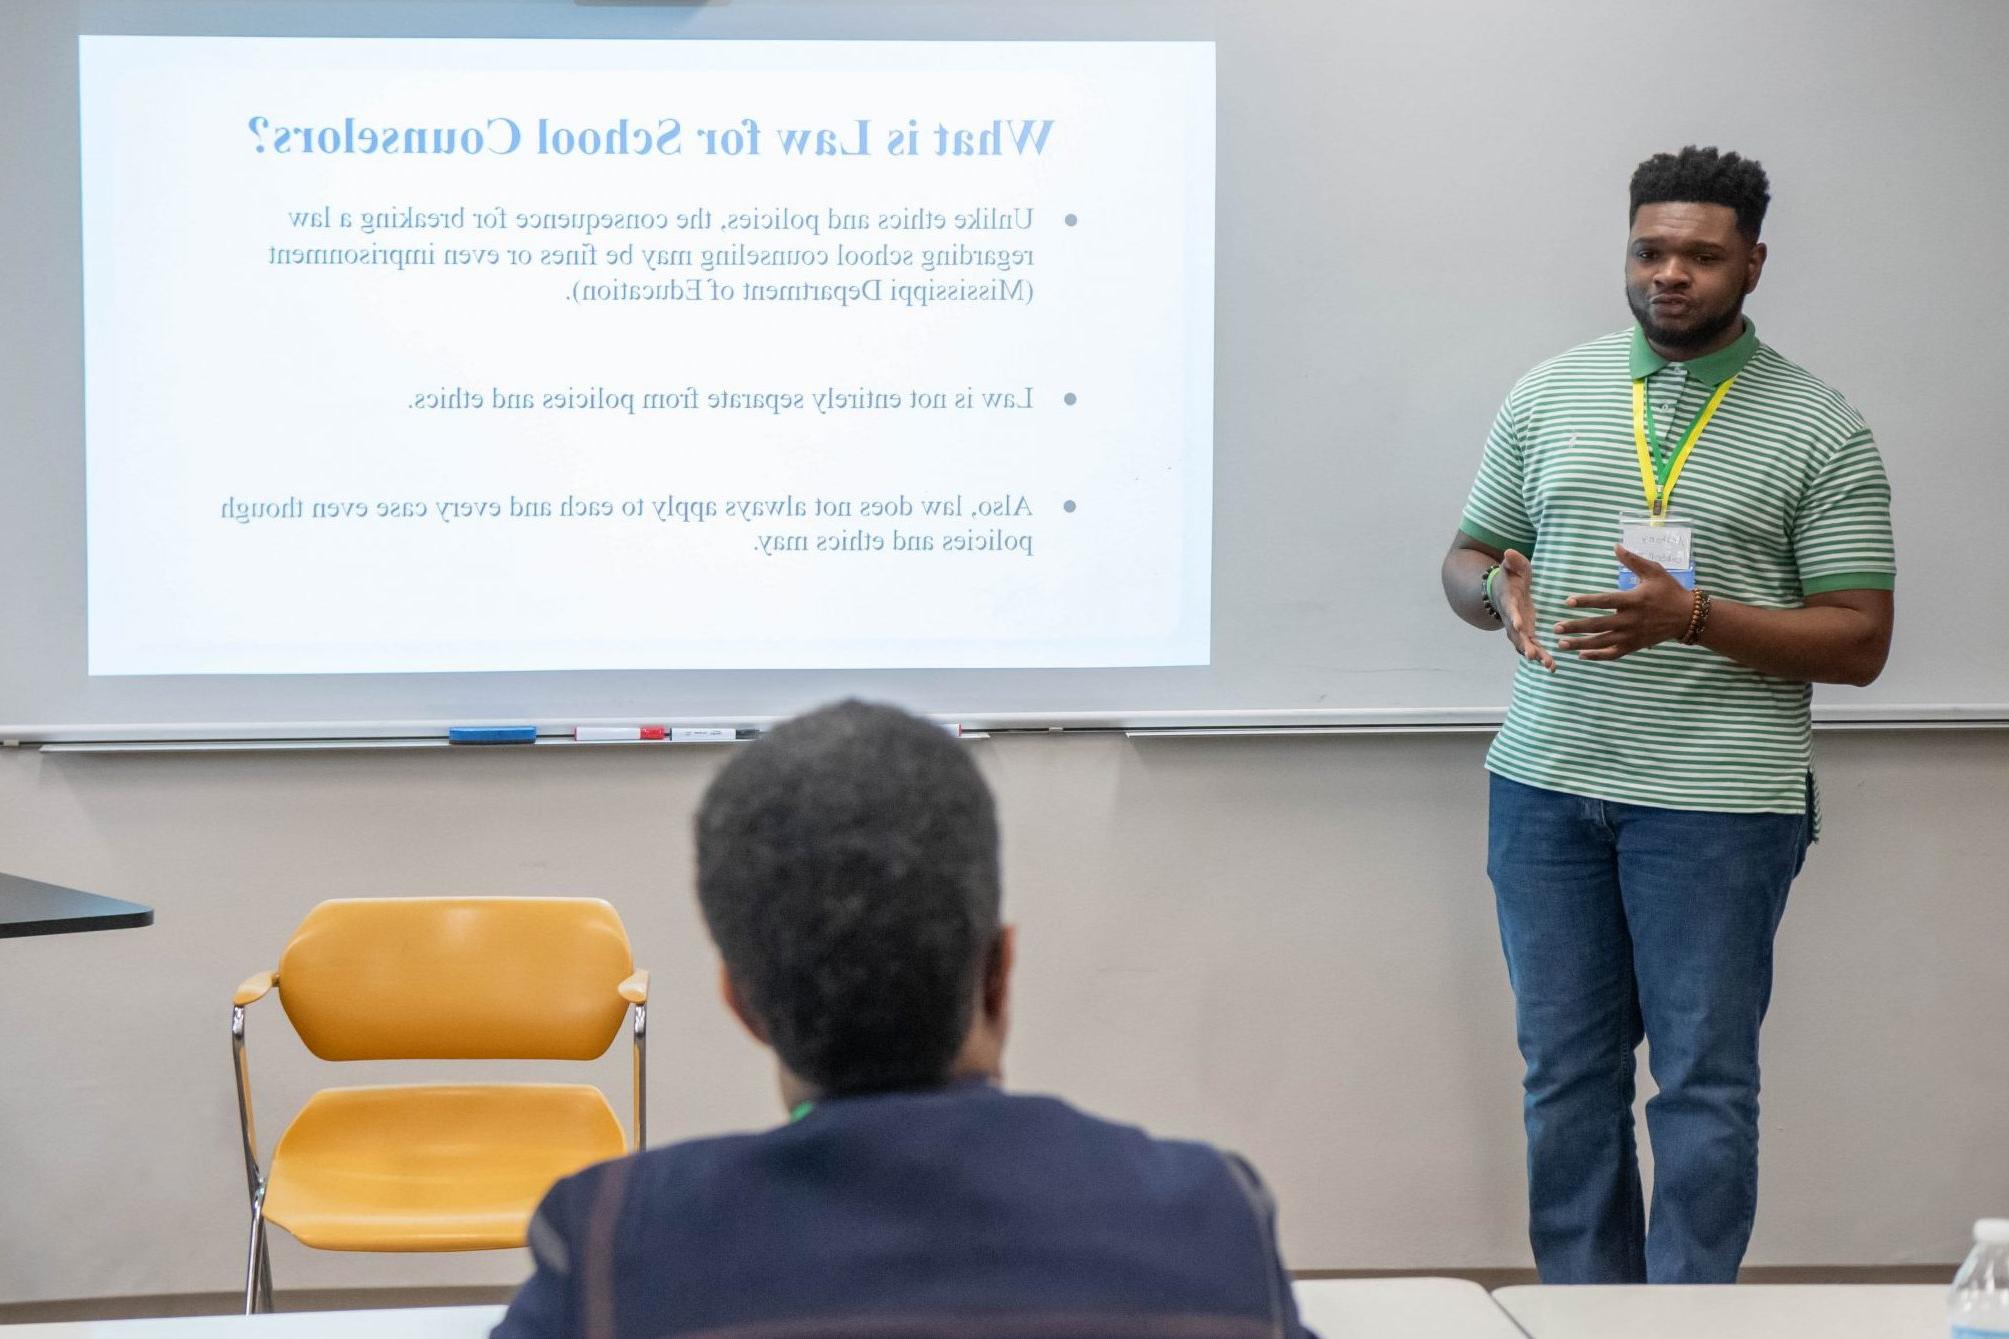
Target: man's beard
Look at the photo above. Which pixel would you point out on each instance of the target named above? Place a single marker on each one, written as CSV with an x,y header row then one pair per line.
x,y
1642,311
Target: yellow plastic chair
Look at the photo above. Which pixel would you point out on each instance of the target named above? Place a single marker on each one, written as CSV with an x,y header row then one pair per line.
x,y
439,1167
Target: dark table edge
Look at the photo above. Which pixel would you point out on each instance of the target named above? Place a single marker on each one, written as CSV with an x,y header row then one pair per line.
x,y
124,920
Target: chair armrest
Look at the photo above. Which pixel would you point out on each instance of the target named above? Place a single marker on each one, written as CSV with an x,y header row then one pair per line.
x,y
254,988
635,990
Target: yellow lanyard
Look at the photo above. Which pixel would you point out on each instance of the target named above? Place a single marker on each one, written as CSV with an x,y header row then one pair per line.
x,y
1658,491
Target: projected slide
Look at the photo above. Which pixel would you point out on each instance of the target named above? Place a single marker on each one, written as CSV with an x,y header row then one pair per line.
x,y
463,355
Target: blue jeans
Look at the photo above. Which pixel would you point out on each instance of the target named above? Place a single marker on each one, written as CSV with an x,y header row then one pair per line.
x,y
1622,921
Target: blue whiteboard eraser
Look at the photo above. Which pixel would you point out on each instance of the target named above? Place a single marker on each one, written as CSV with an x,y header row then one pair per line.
x,y
492,734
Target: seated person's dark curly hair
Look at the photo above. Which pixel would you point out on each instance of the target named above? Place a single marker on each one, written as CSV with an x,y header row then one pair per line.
x,y
848,870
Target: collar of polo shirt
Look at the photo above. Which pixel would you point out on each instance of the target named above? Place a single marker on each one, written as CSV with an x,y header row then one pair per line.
x,y
1711,369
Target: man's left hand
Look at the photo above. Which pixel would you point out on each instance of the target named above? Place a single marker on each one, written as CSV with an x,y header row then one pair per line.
x,y
1656,610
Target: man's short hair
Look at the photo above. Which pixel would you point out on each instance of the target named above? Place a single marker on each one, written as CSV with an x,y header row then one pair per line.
x,y
1704,177
848,871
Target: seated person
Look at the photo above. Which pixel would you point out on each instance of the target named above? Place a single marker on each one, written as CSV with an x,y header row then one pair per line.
x,y
848,871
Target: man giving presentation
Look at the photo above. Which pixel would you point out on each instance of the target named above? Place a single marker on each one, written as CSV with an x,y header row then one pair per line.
x,y
1680,532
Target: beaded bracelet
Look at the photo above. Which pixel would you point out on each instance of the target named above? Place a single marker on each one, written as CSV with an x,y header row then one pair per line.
x,y
1698,619
1486,593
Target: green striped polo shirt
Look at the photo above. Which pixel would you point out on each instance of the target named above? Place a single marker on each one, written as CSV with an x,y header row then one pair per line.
x,y
1788,498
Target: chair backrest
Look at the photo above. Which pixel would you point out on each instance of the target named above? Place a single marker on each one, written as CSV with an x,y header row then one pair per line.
x,y
441,978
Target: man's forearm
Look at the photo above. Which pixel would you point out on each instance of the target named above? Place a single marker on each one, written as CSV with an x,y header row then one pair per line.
x,y
1463,570
1815,645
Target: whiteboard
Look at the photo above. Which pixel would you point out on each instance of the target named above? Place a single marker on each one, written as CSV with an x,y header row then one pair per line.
x,y
1416,203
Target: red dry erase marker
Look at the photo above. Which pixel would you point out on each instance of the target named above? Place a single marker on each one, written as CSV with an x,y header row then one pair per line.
x,y
619,734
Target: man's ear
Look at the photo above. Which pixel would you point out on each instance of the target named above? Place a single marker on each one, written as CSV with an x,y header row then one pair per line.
x,y
1756,266
997,972
728,991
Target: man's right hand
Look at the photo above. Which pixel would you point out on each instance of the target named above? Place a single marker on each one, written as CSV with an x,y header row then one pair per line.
x,y
1513,592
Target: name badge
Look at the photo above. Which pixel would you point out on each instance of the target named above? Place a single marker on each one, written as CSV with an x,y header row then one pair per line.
x,y
1670,541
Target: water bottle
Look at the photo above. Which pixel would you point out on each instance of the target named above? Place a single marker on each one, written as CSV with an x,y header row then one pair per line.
x,y
1978,1305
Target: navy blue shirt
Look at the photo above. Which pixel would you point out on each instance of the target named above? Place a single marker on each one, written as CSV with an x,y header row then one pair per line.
x,y
955,1211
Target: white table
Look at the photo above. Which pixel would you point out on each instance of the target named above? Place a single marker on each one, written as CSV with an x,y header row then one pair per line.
x,y
425,1322
1414,1308
1746,1311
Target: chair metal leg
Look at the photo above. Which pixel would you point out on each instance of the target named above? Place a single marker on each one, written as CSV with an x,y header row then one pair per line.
x,y
641,1077
256,1270
257,1267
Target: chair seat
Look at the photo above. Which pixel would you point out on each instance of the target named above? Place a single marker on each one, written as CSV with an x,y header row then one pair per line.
x,y
435,1167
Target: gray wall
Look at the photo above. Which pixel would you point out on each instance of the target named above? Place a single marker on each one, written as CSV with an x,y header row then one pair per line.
x,y
1282,944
